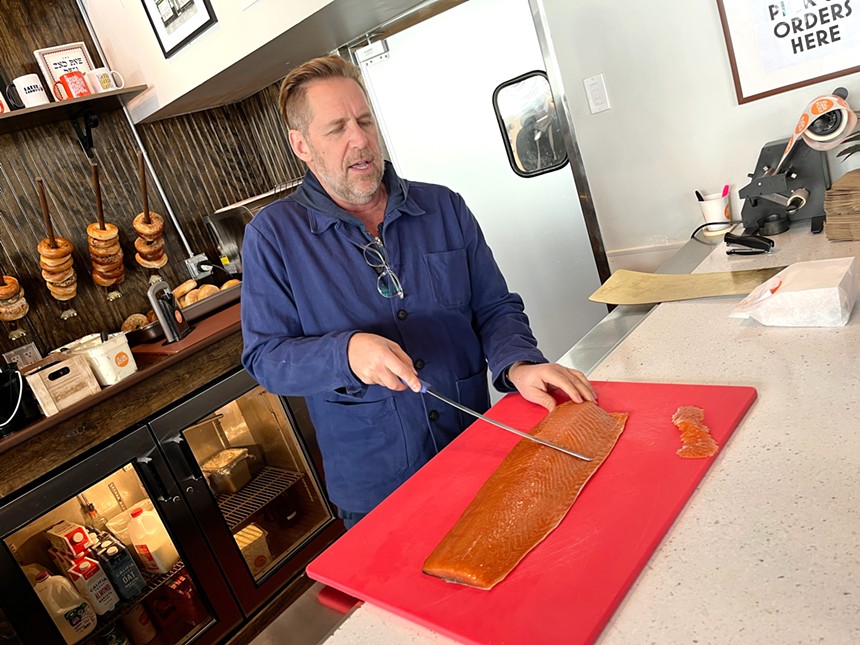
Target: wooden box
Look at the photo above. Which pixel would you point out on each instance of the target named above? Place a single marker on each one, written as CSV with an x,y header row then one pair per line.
x,y
59,380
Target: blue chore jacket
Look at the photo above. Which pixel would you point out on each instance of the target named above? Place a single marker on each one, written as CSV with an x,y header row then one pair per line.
x,y
307,288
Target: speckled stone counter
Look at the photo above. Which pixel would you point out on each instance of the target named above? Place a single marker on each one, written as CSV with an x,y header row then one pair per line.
x,y
767,550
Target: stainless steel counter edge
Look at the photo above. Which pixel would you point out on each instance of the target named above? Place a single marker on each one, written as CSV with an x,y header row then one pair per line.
x,y
596,345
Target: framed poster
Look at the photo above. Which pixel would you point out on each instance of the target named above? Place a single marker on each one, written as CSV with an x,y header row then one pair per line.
x,y
56,61
178,22
780,45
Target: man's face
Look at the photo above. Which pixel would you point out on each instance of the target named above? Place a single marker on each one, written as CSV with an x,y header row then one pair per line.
x,y
341,145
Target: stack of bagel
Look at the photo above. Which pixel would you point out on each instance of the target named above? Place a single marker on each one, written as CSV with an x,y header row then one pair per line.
x,y
150,241
13,305
56,263
106,254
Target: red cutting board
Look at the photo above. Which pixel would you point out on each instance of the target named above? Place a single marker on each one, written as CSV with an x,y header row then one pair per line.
x,y
566,588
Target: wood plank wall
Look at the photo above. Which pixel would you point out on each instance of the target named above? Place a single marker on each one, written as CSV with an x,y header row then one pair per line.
x,y
209,159
204,161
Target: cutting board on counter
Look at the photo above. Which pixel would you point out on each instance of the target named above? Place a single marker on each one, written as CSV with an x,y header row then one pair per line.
x,y
566,589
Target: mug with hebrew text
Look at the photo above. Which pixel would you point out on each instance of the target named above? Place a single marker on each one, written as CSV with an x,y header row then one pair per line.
x,y
103,79
71,85
26,91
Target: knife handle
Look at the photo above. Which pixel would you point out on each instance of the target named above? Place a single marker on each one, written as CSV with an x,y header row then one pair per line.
x,y
424,386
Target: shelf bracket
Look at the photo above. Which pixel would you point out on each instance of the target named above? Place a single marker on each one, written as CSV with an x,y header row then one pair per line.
x,y
84,130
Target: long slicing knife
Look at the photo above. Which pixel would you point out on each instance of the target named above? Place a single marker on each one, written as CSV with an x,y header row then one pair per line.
x,y
425,388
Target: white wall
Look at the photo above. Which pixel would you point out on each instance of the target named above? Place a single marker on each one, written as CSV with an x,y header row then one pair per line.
x,y
675,124
130,46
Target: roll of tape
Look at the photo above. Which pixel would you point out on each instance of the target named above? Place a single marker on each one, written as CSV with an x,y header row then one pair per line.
x,y
816,109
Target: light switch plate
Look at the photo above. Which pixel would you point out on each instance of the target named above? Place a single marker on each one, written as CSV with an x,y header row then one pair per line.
x,y
595,91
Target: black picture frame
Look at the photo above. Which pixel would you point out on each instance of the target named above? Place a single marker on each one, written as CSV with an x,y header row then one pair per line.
x,y
177,22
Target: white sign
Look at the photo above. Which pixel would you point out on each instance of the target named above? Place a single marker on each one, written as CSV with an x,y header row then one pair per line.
x,y
777,45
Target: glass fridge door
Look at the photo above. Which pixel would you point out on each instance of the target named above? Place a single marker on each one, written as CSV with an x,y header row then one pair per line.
x,y
98,553
237,453
8,635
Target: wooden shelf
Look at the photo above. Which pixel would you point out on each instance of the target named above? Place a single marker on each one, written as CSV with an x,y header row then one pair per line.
x,y
65,110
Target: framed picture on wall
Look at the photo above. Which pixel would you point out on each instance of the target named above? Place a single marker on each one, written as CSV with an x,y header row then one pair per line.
x,y
780,45
178,22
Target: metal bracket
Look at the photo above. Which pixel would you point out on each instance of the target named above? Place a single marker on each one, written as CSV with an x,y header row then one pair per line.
x,y
372,53
85,131
196,266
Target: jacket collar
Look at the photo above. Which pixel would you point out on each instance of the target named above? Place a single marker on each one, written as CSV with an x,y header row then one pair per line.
x,y
323,213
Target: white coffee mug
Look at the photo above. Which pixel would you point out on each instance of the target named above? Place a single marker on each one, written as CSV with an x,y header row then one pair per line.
x,y
103,79
26,91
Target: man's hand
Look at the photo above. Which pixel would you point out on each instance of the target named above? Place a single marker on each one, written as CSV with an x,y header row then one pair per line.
x,y
535,382
378,361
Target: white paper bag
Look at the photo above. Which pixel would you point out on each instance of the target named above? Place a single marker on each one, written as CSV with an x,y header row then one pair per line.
x,y
820,293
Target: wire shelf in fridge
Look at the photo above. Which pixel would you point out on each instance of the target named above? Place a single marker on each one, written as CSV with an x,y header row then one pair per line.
x,y
262,489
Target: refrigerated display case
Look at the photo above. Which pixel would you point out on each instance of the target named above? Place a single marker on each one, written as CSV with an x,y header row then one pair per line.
x,y
63,526
247,465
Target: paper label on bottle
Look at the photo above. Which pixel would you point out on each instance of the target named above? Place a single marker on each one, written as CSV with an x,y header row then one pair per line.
x,y
79,618
147,557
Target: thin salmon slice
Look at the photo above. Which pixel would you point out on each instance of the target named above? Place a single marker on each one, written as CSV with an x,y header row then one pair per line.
x,y
696,439
526,497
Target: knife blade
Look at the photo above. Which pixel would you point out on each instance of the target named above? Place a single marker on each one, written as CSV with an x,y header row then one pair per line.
x,y
425,389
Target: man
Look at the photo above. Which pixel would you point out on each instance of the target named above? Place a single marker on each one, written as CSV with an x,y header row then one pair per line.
x,y
360,281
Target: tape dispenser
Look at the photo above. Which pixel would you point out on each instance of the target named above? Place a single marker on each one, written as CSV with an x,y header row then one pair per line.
x,y
791,176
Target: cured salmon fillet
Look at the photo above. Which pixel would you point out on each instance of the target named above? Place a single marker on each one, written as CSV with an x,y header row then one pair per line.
x,y
695,435
526,497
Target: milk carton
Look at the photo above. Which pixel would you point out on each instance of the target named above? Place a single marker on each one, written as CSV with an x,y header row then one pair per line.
x,y
63,560
121,569
93,584
255,550
69,537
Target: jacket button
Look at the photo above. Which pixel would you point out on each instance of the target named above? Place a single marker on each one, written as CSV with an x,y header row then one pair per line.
x,y
433,415
419,364
401,314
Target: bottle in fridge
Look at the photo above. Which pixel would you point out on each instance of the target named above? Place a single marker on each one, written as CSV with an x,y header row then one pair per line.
x,y
72,614
45,528
151,541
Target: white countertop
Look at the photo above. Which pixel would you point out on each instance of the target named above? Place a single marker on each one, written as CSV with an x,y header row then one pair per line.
x,y
767,550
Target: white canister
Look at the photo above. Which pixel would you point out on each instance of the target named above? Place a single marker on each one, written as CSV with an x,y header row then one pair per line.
x,y
138,625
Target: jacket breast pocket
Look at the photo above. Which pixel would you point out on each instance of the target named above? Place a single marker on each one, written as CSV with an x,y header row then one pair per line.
x,y
449,275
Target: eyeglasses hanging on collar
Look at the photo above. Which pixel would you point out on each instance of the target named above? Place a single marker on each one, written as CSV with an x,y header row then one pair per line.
x,y
387,282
